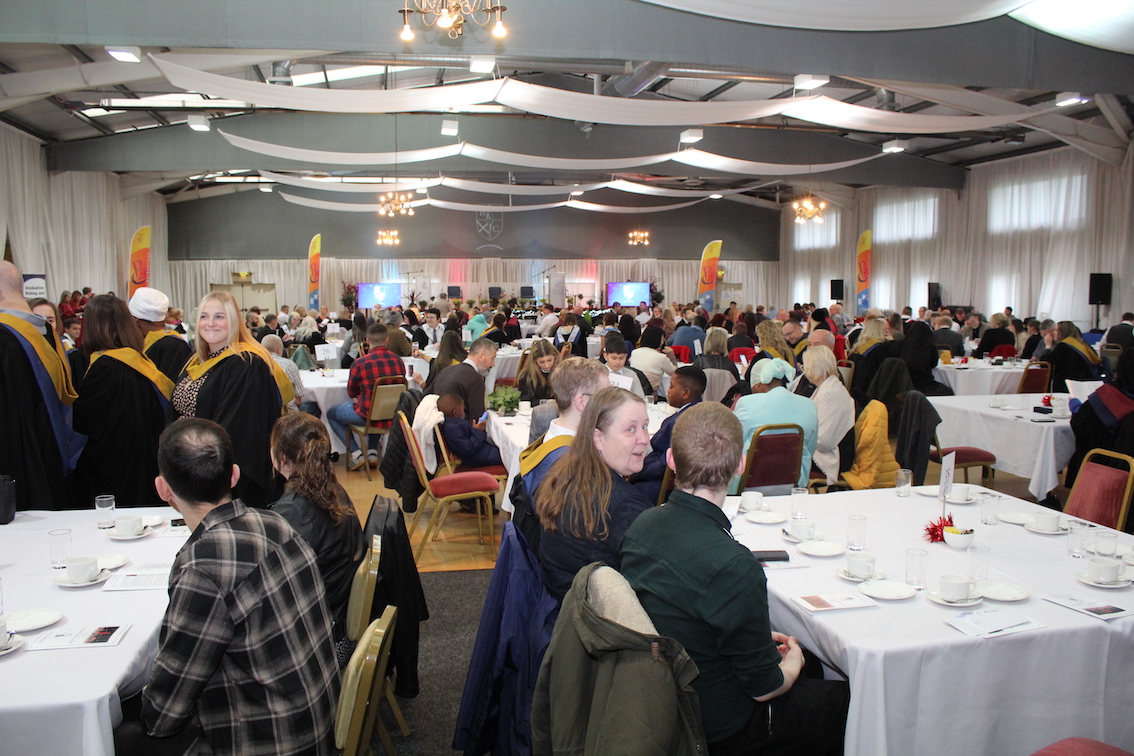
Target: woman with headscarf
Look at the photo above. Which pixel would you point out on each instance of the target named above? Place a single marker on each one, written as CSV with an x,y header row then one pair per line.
x,y
1072,358
770,403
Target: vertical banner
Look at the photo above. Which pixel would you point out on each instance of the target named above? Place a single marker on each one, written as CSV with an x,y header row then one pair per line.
x,y
140,259
862,273
707,286
313,272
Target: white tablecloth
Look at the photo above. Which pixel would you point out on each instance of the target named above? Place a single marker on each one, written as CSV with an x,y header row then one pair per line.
x,y
328,388
920,687
67,701
1037,451
507,365
979,381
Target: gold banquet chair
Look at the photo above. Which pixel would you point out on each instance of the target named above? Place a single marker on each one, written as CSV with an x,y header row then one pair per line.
x,y
357,717
383,402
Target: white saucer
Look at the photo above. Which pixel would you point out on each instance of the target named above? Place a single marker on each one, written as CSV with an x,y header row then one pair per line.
x,y
15,643
842,572
961,502
789,537
62,581
1062,530
113,534
930,491
26,620
1128,557
819,548
1082,578
996,591
936,598
888,590
152,521
1015,518
111,561
765,517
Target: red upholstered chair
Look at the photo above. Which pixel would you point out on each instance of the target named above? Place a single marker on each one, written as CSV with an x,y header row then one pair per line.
x,y
1036,378
967,456
1004,350
453,464
682,353
1081,747
840,347
748,352
774,456
1102,492
447,490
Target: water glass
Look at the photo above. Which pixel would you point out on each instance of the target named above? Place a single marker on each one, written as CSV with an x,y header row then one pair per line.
x,y
978,562
917,567
1106,543
59,545
990,509
798,503
104,510
1078,538
904,482
856,532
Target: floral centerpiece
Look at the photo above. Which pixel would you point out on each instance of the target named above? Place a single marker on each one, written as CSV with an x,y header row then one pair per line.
x,y
349,298
505,400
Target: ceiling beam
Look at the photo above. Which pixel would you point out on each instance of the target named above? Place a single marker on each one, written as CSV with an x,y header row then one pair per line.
x,y
712,94
1115,115
77,53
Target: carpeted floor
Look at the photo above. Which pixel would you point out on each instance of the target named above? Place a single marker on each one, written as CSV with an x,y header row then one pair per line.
x,y
455,601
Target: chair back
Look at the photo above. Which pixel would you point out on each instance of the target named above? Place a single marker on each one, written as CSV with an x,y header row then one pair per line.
x,y
293,348
384,399
1036,378
524,355
846,372
717,384
840,346
1004,350
446,458
946,356
414,449
774,456
1112,351
1102,491
362,683
748,352
682,353
565,350
361,602
669,481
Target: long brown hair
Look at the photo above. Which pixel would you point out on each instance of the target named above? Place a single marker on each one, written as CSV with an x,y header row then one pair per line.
x,y
450,351
577,488
302,440
534,378
108,324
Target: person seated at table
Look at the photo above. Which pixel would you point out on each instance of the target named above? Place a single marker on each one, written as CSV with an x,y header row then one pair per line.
x,y
534,380
706,590
873,346
795,337
355,339
740,338
466,380
630,329
271,325
693,332
715,356
431,330
834,410
245,660
614,353
377,364
974,327
944,337
495,332
549,321
653,358
1102,422
1071,358
318,508
274,345
1049,337
1122,334
609,322
685,390
466,440
293,322
396,339
772,346
1034,339
478,322
920,355
571,333
1019,333
770,403
584,503
451,352
997,334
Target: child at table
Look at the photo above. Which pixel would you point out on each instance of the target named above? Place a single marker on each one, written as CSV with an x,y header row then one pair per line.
x,y
466,440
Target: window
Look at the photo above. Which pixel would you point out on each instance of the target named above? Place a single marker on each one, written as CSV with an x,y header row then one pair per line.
x,y
825,235
1058,203
905,219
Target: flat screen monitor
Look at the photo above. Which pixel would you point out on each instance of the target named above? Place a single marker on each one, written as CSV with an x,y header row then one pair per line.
x,y
627,294
377,296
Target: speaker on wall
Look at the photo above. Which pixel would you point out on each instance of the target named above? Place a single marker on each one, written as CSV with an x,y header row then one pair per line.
x,y
454,292
527,292
935,296
837,291
1100,288
494,292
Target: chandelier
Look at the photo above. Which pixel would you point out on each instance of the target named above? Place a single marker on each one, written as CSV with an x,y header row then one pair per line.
x,y
451,16
809,210
639,237
393,203
388,237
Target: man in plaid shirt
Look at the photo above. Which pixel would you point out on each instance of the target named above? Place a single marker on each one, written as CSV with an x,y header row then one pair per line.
x,y
245,659
378,363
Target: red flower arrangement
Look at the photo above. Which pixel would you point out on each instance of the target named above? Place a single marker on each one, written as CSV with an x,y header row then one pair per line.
x,y
934,531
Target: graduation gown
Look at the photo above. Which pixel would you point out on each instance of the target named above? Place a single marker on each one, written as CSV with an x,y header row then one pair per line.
x,y
122,409
168,351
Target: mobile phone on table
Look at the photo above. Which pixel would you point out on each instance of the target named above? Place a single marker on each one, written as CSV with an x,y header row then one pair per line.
x,y
409,369
772,556
178,523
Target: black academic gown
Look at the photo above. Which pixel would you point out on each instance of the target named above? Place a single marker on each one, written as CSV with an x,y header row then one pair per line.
x,y
170,354
240,394
28,450
122,415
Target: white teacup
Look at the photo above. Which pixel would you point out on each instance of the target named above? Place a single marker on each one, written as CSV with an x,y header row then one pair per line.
x,y
954,587
1101,570
525,408
750,501
5,639
960,492
81,569
860,564
1046,521
128,525
803,529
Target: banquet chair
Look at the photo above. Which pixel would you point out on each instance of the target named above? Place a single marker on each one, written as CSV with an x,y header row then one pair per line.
x,y
668,483
1101,493
967,456
946,356
383,403
774,456
840,346
748,352
846,372
448,490
452,464
1111,351
565,350
682,353
1080,747
524,355
1036,378
1004,350
717,384
293,348
357,717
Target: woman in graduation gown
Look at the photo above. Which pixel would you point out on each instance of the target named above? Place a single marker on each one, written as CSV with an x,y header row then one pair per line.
x,y
122,408
234,382
1072,358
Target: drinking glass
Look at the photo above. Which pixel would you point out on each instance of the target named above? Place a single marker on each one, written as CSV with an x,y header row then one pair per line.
x,y
104,510
1078,538
798,503
990,509
1106,543
917,566
856,532
978,562
59,545
903,482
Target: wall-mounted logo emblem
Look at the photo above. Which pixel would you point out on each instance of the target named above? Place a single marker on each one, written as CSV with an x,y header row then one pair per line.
x,y
489,225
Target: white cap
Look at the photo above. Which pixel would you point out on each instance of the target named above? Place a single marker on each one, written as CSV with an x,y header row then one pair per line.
x,y
149,304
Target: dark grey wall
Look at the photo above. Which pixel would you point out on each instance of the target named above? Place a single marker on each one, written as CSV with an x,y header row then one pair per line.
x,y
256,224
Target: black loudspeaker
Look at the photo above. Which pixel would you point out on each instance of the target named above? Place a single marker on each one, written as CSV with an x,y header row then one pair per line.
x,y
935,296
1100,288
454,292
527,292
837,291
494,292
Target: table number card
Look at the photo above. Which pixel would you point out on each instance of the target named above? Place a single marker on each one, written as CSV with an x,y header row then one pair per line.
x,y
621,381
945,487
324,352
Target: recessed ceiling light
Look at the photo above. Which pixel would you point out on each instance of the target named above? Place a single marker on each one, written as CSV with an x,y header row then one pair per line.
x,y
810,81
482,64
577,193
449,128
715,196
1065,99
125,54
691,136
266,188
896,145
198,122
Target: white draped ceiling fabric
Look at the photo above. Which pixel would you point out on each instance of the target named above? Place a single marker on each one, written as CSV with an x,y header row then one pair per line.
x,y
354,207
574,106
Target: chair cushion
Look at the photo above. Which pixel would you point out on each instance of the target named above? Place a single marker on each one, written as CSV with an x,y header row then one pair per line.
x,y
966,455
493,470
462,482
1080,747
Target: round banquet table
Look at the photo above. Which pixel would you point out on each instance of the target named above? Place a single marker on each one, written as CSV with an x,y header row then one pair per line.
x,y
979,379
